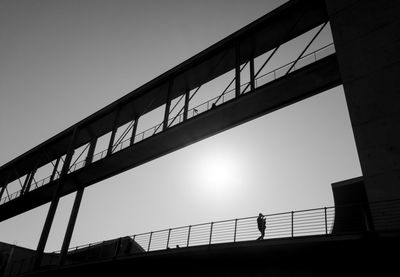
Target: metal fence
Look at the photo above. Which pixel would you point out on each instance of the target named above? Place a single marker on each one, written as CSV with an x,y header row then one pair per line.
x,y
326,221
280,225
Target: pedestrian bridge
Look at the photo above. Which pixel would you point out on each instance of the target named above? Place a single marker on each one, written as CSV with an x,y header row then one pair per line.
x,y
359,233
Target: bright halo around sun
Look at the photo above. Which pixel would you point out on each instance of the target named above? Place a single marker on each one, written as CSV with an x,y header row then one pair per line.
x,y
217,174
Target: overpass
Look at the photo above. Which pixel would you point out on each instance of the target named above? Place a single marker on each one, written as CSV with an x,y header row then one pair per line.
x,y
363,59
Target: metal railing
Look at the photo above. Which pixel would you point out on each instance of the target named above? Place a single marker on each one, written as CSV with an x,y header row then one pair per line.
x,y
279,225
193,112
326,221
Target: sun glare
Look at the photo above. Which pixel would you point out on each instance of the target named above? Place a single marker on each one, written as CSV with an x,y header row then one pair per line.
x,y
218,174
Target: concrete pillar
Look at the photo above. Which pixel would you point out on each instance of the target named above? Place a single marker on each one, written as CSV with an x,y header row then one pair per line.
x,y
367,41
71,225
55,200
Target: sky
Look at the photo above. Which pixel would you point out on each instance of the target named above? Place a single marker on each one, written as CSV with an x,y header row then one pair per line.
x,y
61,61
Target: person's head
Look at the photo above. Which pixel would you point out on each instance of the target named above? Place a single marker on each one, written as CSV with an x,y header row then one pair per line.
x,y
260,214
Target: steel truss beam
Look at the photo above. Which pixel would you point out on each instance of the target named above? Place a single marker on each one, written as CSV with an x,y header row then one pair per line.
x,y
310,80
286,22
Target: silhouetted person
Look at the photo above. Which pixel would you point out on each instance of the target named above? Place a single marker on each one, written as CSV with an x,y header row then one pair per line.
x,y
261,224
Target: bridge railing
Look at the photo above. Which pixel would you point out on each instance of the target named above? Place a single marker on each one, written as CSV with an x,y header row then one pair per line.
x,y
279,225
193,112
326,221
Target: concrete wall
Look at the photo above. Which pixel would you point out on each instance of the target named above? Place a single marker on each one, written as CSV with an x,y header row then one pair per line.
x,y
367,40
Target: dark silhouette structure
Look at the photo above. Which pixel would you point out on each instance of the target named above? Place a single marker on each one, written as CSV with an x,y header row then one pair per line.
x,y
366,62
261,224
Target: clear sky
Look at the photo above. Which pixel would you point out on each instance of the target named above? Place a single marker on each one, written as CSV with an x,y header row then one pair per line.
x,y
61,61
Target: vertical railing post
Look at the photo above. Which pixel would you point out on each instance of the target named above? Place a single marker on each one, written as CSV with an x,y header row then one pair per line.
x,y
92,147
53,173
252,78
167,105
292,221
28,183
186,108
211,230
237,71
188,238
169,236
326,221
113,132
234,234
151,235
134,129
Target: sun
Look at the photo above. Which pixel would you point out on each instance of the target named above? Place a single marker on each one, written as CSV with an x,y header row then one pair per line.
x,y
217,173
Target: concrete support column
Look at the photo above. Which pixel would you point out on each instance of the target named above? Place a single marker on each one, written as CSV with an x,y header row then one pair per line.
x,y
54,203
367,41
71,225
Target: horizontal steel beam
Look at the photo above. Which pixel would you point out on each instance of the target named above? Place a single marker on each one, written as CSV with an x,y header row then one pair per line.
x,y
303,83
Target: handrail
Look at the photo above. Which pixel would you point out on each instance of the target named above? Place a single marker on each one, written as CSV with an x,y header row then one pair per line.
x,y
301,223
194,112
